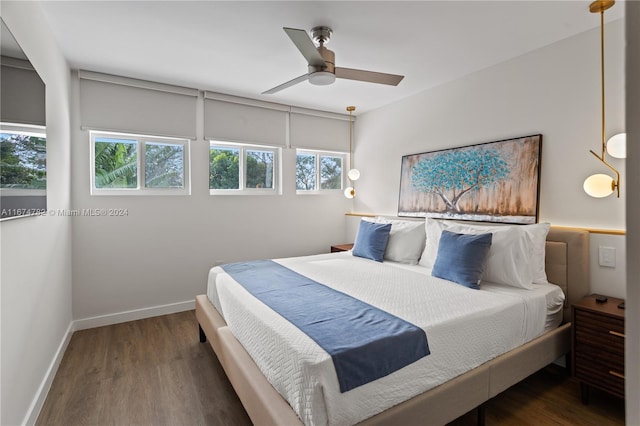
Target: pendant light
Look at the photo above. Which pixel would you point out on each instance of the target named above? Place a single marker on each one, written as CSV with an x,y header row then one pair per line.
x,y
353,174
617,145
602,185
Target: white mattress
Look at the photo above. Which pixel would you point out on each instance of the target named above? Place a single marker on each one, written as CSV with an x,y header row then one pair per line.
x,y
464,328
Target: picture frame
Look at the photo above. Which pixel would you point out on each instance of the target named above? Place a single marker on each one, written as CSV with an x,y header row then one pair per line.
x,y
489,182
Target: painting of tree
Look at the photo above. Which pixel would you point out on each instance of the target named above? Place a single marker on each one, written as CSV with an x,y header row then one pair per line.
x,y
453,174
496,181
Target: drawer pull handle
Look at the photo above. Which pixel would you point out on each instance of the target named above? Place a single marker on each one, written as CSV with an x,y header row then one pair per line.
x,y
613,373
615,333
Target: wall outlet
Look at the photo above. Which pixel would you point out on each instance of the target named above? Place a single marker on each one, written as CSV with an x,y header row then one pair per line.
x,y
607,256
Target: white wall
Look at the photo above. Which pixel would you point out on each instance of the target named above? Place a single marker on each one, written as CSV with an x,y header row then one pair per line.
x,y
554,91
36,251
632,314
160,253
604,279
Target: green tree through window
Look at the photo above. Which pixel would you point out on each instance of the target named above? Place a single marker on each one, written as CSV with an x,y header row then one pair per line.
x,y
139,164
330,172
164,165
306,172
116,163
242,168
317,171
22,161
224,168
259,169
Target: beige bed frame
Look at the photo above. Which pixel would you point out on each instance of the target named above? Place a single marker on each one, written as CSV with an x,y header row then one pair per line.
x,y
567,264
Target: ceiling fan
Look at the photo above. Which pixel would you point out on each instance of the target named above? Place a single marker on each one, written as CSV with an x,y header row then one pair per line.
x,y
322,69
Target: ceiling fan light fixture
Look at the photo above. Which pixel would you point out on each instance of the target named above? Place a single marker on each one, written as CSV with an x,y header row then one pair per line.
x,y
322,78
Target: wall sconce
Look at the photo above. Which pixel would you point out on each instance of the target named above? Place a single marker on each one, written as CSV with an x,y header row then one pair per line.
x,y
602,185
353,174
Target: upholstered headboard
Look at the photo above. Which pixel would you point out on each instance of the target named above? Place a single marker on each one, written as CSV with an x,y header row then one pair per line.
x,y
567,264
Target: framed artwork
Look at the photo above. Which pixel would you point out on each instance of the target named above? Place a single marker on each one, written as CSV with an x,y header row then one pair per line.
x,y
493,182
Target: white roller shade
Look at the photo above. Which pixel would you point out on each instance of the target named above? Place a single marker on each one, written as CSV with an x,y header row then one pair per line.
x,y
244,120
23,93
323,131
121,104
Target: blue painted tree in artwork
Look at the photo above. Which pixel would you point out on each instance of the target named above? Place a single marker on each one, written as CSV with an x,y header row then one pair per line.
x,y
453,174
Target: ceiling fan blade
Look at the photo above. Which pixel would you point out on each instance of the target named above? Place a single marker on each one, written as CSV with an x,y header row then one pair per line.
x,y
304,44
369,76
289,83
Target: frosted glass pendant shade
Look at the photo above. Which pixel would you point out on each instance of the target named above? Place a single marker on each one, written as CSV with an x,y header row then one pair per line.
x,y
617,145
350,192
598,185
354,174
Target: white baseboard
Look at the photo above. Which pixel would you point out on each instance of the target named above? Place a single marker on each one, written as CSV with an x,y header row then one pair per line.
x,y
154,311
82,324
41,395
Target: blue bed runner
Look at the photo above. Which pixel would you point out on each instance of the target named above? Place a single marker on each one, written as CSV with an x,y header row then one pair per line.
x,y
365,342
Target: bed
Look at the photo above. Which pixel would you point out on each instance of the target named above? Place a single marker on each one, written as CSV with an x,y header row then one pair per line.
x,y
566,265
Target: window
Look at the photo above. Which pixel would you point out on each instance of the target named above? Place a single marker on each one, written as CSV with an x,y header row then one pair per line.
x,y
138,165
318,171
243,169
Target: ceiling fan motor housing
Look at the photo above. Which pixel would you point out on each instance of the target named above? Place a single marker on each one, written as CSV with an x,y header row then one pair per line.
x,y
329,60
321,35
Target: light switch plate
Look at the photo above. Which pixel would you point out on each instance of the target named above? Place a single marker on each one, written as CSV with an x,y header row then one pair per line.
x,y
607,256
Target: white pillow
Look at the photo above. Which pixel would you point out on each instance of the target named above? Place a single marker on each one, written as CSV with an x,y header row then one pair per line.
x,y
509,260
433,229
406,240
538,233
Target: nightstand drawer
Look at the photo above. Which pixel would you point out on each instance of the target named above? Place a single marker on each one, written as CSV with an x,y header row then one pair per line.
x,y
599,330
597,345
600,375
611,361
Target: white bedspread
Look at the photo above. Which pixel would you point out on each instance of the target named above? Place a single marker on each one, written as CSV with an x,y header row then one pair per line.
x,y
464,328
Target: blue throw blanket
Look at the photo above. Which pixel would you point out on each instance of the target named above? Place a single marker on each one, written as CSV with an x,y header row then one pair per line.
x,y
365,342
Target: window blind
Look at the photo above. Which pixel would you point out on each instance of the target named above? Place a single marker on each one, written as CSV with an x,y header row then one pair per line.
x,y
237,119
23,93
113,103
319,130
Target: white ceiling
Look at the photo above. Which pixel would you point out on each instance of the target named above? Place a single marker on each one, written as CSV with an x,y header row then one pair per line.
x,y
239,47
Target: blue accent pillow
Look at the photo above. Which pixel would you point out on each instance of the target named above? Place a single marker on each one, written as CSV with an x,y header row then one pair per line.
x,y
461,258
371,240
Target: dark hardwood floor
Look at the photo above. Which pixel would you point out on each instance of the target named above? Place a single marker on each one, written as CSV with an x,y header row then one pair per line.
x,y
156,372
148,372
549,397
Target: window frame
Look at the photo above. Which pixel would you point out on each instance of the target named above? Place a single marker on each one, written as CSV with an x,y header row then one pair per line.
x,y
141,141
318,154
242,165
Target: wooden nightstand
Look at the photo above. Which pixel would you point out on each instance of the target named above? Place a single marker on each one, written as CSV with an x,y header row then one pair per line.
x,y
341,247
598,346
